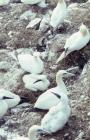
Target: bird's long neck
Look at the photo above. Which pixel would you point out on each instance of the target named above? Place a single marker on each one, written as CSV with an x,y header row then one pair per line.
x,y
63,106
61,4
60,82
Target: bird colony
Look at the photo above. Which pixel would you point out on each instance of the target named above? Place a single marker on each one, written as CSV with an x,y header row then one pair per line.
x,y
55,99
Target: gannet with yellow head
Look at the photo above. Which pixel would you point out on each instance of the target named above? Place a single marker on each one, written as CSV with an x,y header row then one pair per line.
x,y
76,41
48,98
59,14
53,121
11,99
31,63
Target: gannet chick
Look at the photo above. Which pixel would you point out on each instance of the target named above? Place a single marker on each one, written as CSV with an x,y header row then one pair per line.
x,y
31,63
76,41
3,106
4,2
40,3
58,14
11,99
36,82
48,98
53,121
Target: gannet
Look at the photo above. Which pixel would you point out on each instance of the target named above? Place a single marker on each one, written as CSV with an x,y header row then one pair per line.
x,y
53,121
36,82
31,63
76,41
4,2
40,3
58,14
11,99
3,106
48,99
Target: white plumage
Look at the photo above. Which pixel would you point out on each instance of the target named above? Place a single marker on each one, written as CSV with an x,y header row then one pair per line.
x,y
10,98
40,3
36,82
31,63
4,2
58,14
48,99
56,118
3,107
53,121
76,41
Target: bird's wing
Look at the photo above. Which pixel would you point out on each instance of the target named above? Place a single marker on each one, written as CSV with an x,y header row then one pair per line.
x,y
46,100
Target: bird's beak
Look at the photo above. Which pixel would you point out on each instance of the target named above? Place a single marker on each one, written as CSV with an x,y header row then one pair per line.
x,y
62,56
67,74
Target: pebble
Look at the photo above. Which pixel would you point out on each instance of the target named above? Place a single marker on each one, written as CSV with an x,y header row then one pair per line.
x,y
33,23
80,136
88,114
28,15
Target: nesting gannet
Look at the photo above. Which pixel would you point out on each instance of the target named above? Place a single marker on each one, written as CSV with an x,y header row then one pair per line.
x,y
31,63
4,2
58,14
40,3
76,41
48,99
11,99
36,82
3,106
53,121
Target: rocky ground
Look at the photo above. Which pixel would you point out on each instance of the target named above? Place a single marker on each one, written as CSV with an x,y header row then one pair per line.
x,y
15,36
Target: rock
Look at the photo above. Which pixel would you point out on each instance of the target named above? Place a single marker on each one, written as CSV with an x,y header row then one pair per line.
x,y
28,15
88,114
5,66
33,23
80,136
2,138
11,79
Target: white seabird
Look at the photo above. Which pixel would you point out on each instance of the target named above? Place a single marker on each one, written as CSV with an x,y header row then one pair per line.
x,y
40,3
4,2
76,41
53,121
36,82
48,99
31,63
11,99
58,14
